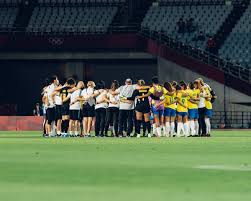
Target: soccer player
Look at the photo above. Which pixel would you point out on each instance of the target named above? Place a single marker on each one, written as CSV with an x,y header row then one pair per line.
x,y
209,110
65,91
113,109
88,110
51,104
170,110
100,108
142,108
75,107
182,110
156,92
193,113
45,106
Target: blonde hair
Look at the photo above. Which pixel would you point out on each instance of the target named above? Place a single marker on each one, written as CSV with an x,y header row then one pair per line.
x,y
91,84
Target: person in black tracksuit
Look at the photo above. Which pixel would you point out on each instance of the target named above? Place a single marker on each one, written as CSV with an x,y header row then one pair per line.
x,y
142,108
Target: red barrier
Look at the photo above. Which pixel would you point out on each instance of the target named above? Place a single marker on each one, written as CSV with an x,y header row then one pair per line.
x,y
21,123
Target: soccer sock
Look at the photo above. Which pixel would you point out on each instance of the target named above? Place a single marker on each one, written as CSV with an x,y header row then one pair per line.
x,y
138,126
188,125
168,128
172,128
208,125
186,129
164,130
148,127
154,129
66,126
158,129
196,125
192,127
179,128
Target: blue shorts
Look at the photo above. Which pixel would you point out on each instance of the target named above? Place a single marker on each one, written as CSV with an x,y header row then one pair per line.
x,y
209,113
169,112
159,112
193,114
183,114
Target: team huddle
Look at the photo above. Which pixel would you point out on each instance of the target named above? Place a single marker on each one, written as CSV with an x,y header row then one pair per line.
x,y
170,109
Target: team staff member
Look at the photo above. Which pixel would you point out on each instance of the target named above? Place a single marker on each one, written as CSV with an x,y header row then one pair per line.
x,y
202,108
142,108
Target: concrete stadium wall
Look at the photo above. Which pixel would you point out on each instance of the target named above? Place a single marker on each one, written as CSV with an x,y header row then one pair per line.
x,y
169,71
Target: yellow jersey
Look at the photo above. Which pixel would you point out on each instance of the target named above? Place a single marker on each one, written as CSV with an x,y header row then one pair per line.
x,y
170,102
192,95
157,89
184,100
208,103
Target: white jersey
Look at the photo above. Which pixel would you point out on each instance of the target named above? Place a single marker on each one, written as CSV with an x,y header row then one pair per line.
x,y
86,93
126,91
202,100
58,99
114,99
100,98
49,90
73,97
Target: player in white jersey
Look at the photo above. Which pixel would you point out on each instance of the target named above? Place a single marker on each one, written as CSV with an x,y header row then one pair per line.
x,y
88,109
50,112
113,109
100,109
75,109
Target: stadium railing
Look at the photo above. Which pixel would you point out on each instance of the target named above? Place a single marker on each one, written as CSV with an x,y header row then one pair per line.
x,y
231,119
233,69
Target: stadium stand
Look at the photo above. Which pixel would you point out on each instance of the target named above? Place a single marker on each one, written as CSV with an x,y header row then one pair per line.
x,y
237,46
7,17
10,2
77,2
189,24
71,19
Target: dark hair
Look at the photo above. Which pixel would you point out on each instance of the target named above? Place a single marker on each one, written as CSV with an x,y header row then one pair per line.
x,y
115,84
178,87
53,78
174,83
191,85
183,84
168,86
100,85
71,81
155,80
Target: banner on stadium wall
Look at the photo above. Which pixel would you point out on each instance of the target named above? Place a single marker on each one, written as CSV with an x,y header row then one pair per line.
x,y
21,123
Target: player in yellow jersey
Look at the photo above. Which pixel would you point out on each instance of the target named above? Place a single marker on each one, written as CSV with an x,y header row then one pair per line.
x,y
209,109
156,92
169,110
182,109
193,113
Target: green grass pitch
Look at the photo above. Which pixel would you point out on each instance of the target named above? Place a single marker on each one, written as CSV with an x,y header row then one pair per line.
x,y
33,168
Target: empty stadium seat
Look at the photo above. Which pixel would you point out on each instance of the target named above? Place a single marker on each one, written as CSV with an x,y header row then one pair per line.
x,y
71,19
7,17
237,46
206,19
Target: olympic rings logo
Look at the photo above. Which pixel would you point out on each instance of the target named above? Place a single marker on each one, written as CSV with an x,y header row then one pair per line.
x,y
56,41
